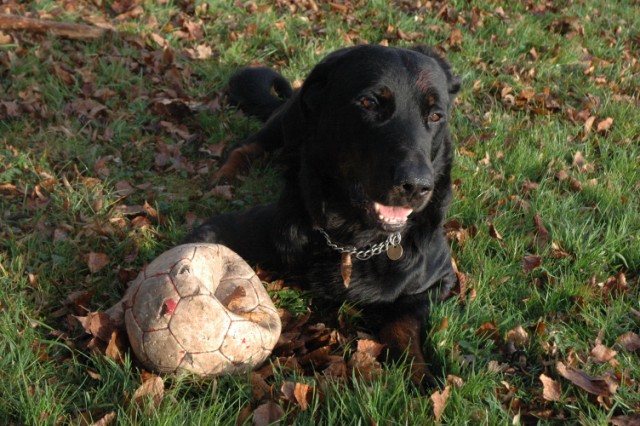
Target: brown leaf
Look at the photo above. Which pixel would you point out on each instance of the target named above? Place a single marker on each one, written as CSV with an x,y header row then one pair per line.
x,y
629,341
78,301
9,190
602,354
518,336
244,414
550,388
116,346
303,393
97,261
489,330
594,385
370,347
287,390
604,125
580,163
493,232
559,252
365,365
633,420
439,402
97,324
337,368
107,419
151,388
267,413
455,38
588,124
531,262
201,51
124,188
222,191
346,266
299,393
456,381
542,235
259,387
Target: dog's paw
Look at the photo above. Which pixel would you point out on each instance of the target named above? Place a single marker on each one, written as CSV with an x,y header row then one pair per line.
x,y
237,162
422,378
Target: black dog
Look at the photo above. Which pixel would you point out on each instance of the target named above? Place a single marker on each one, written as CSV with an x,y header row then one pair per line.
x,y
367,155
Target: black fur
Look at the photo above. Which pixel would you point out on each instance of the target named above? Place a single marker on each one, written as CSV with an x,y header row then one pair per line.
x,y
258,91
368,125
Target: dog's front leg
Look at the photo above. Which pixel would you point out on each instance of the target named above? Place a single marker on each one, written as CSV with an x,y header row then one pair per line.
x,y
403,335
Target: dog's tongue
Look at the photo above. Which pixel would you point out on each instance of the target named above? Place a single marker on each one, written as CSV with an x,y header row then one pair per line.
x,y
394,213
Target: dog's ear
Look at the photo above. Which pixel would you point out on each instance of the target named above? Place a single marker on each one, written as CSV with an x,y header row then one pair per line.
x,y
452,80
313,88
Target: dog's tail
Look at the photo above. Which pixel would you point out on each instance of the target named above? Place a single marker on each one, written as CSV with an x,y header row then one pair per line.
x,y
259,91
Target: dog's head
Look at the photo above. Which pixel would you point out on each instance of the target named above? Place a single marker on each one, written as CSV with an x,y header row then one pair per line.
x,y
376,147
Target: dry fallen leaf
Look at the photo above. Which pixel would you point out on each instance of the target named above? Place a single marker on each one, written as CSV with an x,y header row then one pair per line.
x,y
259,387
604,125
588,124
371,347
542,234
107,419
299,393
439,402
580,163
456,381
550,388
151,388
222,191
267,413
633,420
116,347
336,368
97,261
493,232
97,324
602,354
365,365
531,262
489,330
629,341
599,386
518,336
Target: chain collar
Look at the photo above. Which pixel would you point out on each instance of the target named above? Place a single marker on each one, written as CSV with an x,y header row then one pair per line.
x,y
373,250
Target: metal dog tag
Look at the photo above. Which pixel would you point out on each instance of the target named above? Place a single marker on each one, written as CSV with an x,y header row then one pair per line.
x,y
395,252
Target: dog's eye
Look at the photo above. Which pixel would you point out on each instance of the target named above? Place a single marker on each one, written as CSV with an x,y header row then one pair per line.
x,y
435,117
367,103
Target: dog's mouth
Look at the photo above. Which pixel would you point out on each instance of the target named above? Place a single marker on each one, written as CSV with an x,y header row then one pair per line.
x,y
391,217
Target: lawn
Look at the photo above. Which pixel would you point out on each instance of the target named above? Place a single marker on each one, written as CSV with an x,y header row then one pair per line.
x,y
107,151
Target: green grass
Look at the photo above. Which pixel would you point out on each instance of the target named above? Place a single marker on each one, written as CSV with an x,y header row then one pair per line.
x,y
60,170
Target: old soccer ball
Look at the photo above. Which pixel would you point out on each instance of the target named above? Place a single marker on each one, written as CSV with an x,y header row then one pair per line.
x,y
200,308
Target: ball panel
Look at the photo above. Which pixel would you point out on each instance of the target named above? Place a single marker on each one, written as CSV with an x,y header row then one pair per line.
x,y
135,334
206,363
165,262
154,303
163,351
236,267
187,282
243,343
200,323
269,322
207,265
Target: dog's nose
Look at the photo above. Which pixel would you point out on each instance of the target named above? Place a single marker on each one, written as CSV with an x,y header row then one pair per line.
x,y
413,178
416,187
